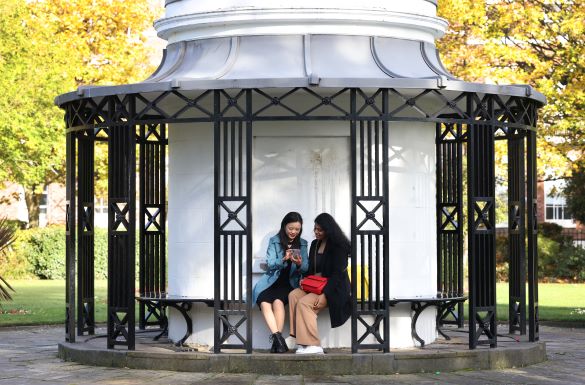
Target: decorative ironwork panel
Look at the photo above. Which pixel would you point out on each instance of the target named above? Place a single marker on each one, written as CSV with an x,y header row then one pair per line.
x,y
516,235
70,230
121,234
300,104
481,226
449,168
233,223
152,219
369,227
175,106
532,232
85,247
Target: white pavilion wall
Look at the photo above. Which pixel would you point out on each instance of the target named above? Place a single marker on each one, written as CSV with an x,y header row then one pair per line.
x,y
302,166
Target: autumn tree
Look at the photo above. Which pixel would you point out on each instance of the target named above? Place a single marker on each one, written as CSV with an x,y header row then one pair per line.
x,y
48,47
535,42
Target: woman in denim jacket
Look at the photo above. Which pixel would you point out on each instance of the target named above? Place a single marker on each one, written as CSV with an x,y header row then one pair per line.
x,y
286,259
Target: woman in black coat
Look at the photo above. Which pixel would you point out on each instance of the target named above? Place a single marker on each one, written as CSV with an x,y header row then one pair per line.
x,y
328,257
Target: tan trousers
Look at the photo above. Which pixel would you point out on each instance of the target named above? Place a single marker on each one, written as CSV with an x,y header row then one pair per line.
x,y
303,316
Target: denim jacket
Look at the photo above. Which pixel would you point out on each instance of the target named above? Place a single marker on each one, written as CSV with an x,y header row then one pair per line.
x,y
275,265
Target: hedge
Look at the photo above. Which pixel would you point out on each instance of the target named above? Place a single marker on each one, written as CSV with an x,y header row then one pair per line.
x,y
40,253
558,258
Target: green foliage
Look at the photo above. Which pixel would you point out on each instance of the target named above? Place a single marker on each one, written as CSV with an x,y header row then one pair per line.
x,y
49,47
31,128
535,42
575,191
40,253
552,231
558,258
560,261
44,250
502,258
7,236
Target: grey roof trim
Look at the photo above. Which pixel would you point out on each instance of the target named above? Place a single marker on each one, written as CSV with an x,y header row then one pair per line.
x,y
174,66
160,66
441,71
231,60
307,55
524,91
378,62
438,56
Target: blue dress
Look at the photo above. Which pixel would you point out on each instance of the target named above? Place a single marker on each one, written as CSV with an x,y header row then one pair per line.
x,y
280,277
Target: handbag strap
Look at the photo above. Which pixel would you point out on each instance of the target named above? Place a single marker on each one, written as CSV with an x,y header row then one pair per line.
x,y
315,257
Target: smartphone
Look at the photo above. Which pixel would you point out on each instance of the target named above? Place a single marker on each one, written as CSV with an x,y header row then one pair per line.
x,y
295,254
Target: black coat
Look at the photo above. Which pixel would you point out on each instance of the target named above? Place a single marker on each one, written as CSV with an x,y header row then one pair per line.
x,y
338,290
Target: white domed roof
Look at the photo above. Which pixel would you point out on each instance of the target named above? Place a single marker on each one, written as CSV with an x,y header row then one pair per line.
x,y
222,44
203,19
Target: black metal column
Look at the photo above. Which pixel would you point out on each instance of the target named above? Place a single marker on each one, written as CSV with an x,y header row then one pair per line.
x,y
70,231
369,221
85,215
121,231
481,225
152,219
233,221
532,230
516,232
449,167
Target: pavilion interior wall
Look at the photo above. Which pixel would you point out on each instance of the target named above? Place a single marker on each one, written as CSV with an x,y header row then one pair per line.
x,y
305,167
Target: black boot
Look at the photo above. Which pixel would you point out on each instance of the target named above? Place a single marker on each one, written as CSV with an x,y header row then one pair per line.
x,y
281,343
274,341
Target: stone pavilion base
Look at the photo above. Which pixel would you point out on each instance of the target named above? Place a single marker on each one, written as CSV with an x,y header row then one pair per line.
x,y
441,356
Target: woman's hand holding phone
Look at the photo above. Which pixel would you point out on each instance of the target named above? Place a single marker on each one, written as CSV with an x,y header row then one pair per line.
x,y
293,255
296,256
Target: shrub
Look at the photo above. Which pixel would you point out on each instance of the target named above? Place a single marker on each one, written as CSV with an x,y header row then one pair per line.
x,y
7,236
44,250
558,258
502,257
560,261
13,264
40,253
552,231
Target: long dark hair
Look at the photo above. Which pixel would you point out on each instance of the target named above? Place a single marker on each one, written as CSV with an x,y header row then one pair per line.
x,y
332,230
291,217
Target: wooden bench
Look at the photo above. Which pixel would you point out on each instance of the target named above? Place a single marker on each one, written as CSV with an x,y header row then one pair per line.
x,y
444,305
182,303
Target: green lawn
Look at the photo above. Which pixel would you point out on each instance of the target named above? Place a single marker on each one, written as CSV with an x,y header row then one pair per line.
x,y
43,302
558,302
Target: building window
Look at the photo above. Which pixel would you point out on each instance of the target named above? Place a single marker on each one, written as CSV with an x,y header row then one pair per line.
x,y
44,200
555,204
557,212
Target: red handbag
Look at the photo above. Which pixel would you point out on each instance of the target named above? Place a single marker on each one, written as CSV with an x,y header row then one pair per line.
x,y
314,283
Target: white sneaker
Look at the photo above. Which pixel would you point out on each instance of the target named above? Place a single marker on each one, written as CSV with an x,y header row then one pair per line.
x,y
311,349
291,342
300,349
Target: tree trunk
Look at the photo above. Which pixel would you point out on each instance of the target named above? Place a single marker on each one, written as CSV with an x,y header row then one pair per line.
x,y
33,202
